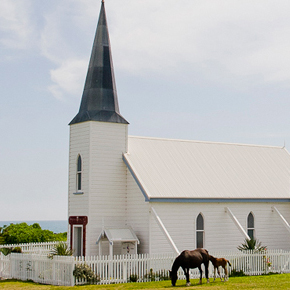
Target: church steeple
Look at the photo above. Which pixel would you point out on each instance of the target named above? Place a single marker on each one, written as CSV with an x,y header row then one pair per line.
x,y
99,101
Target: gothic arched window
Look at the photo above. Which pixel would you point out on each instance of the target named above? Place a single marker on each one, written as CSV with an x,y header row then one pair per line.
x,y
251,226
79,173
199,231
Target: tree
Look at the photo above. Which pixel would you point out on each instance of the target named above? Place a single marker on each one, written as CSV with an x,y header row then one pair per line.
x,y
24,233
2,240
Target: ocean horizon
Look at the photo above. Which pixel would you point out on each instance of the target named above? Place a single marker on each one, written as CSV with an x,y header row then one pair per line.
x,y
56,226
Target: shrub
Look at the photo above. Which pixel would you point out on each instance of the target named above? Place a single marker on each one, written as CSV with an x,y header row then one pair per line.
x,y
150,276
157,276
6,251
23,233
60,249
163,275
251,244
16,250
235,273
133,278
84,271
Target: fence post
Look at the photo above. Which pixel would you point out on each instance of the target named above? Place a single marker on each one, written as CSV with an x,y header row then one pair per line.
x,y
280,262
12,266
125,268
72,267
53,268
1,264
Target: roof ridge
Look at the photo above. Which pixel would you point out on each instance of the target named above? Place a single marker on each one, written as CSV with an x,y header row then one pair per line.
x,y
207,142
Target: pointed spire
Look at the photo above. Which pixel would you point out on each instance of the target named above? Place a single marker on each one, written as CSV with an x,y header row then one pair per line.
x,y
99,101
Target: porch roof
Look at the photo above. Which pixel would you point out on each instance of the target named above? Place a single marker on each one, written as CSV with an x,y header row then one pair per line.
x,y
118,235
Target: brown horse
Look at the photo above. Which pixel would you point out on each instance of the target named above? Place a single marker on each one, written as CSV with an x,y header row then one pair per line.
x,y
189,260
220,262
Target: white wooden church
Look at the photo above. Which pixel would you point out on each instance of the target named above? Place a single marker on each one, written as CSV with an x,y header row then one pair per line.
x,y
132,194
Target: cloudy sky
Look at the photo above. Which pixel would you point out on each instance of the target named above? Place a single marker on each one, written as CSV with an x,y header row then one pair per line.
x,y
214,70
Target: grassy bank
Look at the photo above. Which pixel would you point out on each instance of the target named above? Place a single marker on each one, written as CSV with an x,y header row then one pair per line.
x,y
281,281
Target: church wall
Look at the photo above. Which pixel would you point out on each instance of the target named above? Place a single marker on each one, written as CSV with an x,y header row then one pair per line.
x,y
79,144
138,213
220,231
107,201
158,239
111,198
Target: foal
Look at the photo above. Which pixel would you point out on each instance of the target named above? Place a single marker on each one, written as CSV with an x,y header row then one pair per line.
x,y
220,262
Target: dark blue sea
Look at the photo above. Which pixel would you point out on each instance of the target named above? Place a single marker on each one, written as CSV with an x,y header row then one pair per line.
x,y
59,226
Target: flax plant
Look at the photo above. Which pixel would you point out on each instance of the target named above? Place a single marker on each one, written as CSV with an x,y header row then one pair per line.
x,y
60,249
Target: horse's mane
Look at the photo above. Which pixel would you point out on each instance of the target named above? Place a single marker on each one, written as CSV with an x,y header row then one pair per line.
x,y
176,264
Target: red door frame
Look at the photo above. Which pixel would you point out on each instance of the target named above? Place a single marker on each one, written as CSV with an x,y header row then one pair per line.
x,y
78,220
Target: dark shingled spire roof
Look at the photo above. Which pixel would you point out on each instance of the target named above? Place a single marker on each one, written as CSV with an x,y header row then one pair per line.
x,y
99,101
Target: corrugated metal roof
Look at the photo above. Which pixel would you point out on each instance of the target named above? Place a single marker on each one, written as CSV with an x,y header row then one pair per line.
x,y
166,168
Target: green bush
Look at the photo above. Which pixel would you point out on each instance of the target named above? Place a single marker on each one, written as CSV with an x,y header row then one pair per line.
x,y
16,250
163,275
150,276
84,271
7,251
24,233
252,244
60,249
235,273
133,278
157,276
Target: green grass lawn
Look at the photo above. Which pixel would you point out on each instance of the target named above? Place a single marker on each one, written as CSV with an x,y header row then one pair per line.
x,y
272,282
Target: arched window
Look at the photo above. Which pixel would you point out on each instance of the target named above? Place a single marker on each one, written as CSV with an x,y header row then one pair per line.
x,y
251,226
79,173
199,231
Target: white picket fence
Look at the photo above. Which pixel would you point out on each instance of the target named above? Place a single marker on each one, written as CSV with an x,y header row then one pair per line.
x,y
38,268
119,269
33,248
154,267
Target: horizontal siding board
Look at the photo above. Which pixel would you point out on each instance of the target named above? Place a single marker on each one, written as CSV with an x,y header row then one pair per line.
x,y
137,214
220,231
107,179
79,144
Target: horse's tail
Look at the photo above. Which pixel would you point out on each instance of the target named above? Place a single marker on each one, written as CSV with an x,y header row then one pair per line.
x,y
229,263
207,255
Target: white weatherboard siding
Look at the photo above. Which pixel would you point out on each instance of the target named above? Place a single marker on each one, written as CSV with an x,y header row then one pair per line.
x,y
101,145
158,241
181,179
107,201
138,214
220,231
79,144
191,169
78,205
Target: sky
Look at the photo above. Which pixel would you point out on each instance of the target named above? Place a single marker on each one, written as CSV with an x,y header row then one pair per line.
x,y
210,70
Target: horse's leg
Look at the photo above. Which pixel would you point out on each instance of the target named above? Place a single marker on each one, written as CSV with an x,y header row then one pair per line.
x,y
226,273
200,271
214,273
186,272
206,270
218,270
